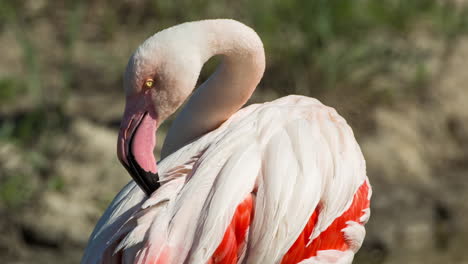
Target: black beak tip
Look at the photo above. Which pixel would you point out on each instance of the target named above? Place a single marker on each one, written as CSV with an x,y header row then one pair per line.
x,y
148,181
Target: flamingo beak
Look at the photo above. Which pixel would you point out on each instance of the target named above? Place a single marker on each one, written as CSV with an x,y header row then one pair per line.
x,y
136,142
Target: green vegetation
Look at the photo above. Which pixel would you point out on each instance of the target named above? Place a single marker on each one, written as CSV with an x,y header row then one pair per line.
x,y
10,89
15,191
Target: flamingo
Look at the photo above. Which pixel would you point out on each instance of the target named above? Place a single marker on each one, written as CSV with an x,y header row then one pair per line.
x,y
279,182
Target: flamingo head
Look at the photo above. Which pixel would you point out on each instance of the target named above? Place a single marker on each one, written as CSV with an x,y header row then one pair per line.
x,y
157,80
137,138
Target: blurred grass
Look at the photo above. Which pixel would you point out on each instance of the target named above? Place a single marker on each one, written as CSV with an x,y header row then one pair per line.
x,y
313,47
10,89
15,191
324,42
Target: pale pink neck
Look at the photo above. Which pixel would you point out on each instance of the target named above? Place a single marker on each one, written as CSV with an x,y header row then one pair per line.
x,y
228,89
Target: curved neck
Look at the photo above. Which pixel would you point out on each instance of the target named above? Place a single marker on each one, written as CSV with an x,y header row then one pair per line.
x,y
227,89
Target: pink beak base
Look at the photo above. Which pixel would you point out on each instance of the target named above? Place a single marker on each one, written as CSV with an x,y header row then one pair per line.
x,y
136,142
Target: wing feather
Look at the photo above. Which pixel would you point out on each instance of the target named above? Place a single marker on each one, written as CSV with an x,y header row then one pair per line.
x,y
121,208
289,191
295,153
234,182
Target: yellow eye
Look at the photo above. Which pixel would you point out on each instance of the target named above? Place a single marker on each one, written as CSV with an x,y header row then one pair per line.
x,y
149,83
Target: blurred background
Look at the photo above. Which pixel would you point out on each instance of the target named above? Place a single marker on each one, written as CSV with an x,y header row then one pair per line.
x,y
395,69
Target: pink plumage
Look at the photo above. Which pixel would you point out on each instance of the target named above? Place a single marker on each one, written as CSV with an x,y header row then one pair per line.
x,y
280,182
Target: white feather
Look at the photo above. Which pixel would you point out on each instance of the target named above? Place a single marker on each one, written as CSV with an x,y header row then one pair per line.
x,y
331,257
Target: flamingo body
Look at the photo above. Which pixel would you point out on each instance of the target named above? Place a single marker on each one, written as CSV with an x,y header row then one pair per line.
x,y
279,182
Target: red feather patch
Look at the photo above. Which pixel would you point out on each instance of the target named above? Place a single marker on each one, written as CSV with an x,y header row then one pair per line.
x,y
229,250
332,237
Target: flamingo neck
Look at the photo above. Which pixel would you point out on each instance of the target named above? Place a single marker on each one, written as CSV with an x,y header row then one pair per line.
x,y
228,88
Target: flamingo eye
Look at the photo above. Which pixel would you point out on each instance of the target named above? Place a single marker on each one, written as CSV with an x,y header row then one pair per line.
x,y
149,83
